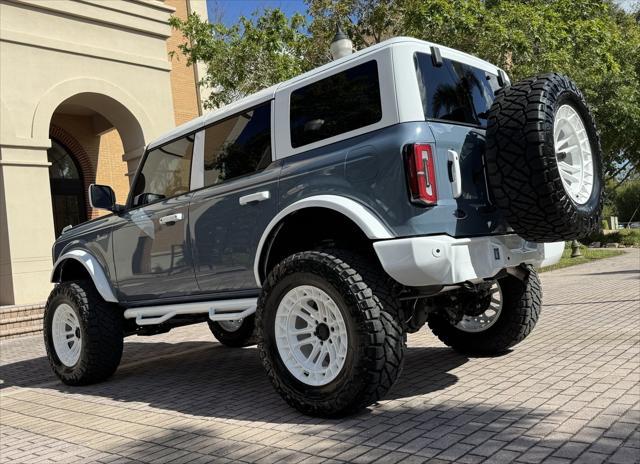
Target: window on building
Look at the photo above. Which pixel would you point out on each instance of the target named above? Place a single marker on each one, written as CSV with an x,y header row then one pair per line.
x,y
337,104
455,91
166,172
67,188
238,146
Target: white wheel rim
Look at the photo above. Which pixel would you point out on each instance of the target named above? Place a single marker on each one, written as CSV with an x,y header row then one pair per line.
x,y
573,154
489,317
66,334
311,335
231,326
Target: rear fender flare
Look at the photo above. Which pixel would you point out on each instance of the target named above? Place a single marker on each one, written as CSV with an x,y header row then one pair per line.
x,y
362,216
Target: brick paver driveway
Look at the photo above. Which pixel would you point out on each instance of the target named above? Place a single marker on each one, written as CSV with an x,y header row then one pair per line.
x,y
571,391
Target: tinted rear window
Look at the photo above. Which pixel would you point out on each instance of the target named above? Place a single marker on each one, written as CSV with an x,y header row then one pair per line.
x,y
455,91
337,104
237,146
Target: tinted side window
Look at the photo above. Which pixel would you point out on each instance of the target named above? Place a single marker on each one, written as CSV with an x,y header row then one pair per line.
x,y
238,146
455,91
166,171
337,104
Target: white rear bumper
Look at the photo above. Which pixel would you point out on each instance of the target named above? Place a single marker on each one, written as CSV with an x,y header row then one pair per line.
x,y
444,260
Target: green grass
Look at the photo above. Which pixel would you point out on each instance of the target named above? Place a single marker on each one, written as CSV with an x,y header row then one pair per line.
x,y
588,255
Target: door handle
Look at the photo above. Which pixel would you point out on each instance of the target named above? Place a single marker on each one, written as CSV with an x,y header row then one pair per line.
x,y
255,197
455,178
171,219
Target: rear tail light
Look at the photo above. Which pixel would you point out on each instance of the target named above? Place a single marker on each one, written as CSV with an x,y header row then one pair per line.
x,y
421,173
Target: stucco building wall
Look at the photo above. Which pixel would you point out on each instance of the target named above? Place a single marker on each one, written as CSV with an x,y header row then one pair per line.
x,y
97,71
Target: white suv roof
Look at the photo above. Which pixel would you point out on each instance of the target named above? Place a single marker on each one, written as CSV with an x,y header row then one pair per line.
x,y
269,93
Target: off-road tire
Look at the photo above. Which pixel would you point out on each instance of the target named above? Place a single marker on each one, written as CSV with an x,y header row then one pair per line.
x,y
101,333
522,302
376,340
522,168
244,336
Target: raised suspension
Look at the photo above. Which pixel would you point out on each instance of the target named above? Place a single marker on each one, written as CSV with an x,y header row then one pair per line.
x,y
466,300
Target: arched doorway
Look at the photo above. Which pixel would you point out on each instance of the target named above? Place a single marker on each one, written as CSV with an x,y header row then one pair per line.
x,y
94,139
67,187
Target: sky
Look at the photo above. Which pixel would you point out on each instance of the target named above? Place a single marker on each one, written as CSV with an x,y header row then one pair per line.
x,y
231,10
627,4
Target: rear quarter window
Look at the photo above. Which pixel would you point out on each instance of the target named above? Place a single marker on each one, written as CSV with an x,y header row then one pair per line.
x,y
455,91
340,103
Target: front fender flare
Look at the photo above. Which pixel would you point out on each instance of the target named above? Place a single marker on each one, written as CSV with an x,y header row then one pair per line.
x,y
362,216
92,266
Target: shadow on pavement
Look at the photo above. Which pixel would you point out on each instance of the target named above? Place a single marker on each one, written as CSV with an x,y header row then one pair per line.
x,y
622,271
336,438
208,379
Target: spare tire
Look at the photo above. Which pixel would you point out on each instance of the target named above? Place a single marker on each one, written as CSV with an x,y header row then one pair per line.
x,y
544,159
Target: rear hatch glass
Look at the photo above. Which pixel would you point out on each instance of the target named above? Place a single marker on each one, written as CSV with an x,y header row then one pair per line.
x,y
456,99
455,91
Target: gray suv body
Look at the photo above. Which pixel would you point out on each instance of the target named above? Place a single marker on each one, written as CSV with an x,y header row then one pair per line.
x,y
376,161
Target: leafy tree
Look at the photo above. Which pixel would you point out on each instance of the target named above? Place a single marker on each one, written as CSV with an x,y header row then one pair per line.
x,y
366,22
627,201
594,42
248,56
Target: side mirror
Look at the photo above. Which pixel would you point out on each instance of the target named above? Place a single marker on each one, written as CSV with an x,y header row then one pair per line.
x,y
103,197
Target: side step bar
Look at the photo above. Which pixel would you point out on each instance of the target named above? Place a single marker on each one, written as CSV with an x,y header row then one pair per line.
x,y
223,310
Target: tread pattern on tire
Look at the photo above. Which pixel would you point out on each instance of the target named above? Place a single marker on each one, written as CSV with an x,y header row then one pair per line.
x,y
383,342
102,341
521,162
522,304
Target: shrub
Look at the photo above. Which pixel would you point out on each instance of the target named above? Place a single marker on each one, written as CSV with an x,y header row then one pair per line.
x,y
630,237
627,237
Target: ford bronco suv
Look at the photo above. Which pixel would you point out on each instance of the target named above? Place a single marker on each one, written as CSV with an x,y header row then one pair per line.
x,y
326,217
